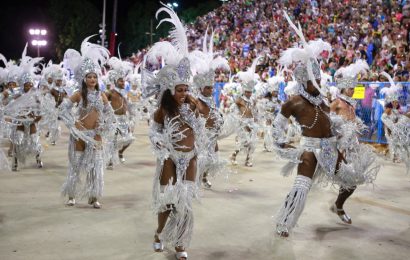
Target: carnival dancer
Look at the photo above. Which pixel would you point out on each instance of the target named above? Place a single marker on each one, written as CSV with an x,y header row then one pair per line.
x,y
58,93
360,156
205,63
177,136
270,106
91,123
25,112
247,113
123,114
393,130
317,156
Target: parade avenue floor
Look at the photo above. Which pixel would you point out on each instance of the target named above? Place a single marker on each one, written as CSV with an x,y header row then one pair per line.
x,y
233,220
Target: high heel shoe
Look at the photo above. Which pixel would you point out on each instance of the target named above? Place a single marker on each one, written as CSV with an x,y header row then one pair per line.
x,y
207,184
121,157
70,202
233,159
94,202
158,246
182,254
282,231
342,214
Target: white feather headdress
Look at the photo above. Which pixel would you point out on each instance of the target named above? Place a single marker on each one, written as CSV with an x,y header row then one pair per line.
x,y
204,63
249,77
119,69
175,56
134,78
346,77
391,93
274,81
10,73
305,56
28,66
90,60
54,71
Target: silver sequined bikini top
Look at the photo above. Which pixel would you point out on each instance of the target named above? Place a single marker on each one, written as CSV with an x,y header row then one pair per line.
x,y
94,101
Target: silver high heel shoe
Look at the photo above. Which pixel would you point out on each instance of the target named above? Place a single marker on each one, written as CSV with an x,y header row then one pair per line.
x,y
344,217
182,254
158,246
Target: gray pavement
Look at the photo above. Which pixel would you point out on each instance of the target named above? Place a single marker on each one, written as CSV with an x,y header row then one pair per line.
x,y
232,221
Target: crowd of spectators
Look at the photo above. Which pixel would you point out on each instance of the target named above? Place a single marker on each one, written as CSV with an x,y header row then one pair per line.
x,y
377,31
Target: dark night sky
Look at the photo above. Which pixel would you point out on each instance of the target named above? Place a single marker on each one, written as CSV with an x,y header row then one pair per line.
x,y
19,15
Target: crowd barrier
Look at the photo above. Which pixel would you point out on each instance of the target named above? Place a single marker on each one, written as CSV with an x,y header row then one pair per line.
x,y
369,109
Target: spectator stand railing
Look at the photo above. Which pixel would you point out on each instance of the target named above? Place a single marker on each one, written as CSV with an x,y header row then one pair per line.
x,y
369,109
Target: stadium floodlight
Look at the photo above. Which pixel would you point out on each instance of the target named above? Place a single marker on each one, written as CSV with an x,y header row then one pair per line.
x,y
37,39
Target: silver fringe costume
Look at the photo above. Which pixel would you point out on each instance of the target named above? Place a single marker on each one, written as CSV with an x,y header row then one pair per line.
x,y
22,112
389,124
247,133
358,168
211,165
4,162
399,137
176,197
90,162
50,122
54,126
123,135
268,111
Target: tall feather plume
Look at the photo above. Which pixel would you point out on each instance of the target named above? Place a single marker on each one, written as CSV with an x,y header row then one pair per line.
x,y
250,73
393,89
205,42
3,59
178,33
389,78
310,50
97,53
72,59
27,63
353,69
163,50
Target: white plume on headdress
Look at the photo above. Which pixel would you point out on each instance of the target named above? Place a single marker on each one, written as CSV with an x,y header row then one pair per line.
x,y
50,69
95,53
135,78
249,77
28,66
353,69
204,63
391,93
292,88
121,67
9,72
172,52
274,81
176,69
309,51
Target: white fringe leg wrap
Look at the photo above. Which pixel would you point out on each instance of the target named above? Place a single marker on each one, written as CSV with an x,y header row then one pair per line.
x,y
178,198
95,177
90,164
290,212
73,176
25,145
268,138
179,227
55,131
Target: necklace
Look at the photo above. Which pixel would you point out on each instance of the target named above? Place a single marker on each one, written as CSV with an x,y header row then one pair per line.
x,y
209,101
122,92
349,100
313,100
